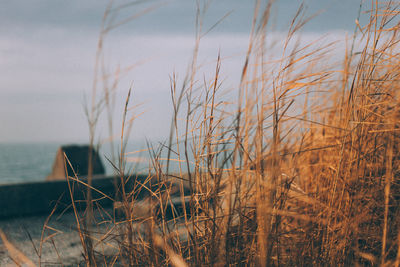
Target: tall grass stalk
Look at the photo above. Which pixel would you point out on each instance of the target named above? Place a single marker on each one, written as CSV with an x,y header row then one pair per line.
x,y
301,171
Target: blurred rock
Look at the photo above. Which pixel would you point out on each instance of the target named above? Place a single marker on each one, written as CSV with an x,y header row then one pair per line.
x,y
78,157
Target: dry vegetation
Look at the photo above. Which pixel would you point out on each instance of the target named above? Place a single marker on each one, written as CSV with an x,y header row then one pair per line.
x,y
303,170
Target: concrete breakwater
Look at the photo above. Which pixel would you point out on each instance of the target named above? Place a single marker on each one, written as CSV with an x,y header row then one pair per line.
x,y
40,198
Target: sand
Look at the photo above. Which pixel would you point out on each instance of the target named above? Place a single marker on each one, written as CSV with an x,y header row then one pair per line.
x,y
63,248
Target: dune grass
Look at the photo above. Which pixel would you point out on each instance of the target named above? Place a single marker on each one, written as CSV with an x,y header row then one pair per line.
x,y
301,171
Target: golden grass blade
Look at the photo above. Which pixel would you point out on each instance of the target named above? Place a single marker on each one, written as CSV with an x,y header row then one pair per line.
x,y
176,260
15,254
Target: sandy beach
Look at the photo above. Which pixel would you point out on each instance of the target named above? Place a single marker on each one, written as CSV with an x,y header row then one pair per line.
x,y
62,244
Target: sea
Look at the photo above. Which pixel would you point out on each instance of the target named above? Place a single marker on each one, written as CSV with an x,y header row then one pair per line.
x,y
33,162
26,162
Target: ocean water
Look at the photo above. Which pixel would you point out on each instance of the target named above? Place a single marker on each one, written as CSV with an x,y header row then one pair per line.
x,y
26,162
30,162
21,163
33,162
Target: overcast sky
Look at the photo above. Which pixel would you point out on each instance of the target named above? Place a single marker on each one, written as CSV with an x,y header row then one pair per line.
x,y
47,54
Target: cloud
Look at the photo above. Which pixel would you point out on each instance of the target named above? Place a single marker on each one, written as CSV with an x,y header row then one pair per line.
x,y
47,54
173,16
44,78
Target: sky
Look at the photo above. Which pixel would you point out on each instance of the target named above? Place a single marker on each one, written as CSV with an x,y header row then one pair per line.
x,y
48,51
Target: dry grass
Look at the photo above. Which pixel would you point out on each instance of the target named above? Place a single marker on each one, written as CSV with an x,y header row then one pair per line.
x,y
303,170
